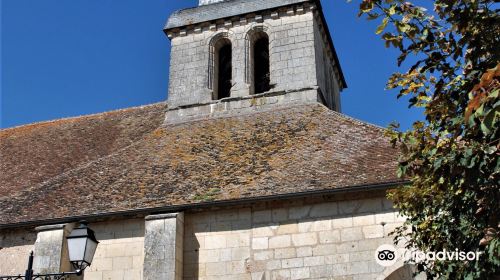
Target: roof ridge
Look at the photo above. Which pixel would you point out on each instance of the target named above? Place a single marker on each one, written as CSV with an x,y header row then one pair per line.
x,y
83,116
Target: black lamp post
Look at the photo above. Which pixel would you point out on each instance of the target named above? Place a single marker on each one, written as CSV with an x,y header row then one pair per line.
x,y
81,247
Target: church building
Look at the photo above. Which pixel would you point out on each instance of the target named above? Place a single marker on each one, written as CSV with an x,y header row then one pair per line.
x,y
248,171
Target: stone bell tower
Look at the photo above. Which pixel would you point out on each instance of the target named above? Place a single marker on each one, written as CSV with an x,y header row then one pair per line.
x,y
232,56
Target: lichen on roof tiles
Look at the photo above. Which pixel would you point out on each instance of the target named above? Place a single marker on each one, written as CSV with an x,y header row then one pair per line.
x,y
32,154
295,149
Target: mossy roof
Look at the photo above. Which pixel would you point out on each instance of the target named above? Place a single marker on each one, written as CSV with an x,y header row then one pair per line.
x,y
127,160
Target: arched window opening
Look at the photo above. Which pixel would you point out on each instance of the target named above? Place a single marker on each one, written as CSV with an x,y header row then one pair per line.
x,y
261,73
224,70
220,66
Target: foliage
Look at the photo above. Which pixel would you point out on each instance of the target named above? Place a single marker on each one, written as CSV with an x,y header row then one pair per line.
x,y
451,158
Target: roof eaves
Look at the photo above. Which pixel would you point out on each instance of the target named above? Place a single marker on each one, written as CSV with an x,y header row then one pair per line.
x,y
204,205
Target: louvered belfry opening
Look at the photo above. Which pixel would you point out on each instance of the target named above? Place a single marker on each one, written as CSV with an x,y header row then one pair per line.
x,y
224,70
261,64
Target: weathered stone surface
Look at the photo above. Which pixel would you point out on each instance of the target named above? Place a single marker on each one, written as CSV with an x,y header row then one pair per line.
x,y
300,246
163,247
298,53
120,252
51,252
16,246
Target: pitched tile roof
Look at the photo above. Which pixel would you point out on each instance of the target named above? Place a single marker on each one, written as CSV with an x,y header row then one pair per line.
x,y
34,153
295,149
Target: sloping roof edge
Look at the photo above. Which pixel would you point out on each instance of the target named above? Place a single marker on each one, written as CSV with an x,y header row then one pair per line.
x,y
73,118
203,205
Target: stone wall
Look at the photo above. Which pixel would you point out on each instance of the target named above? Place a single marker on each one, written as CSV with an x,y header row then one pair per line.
x,y
325,69
163,244
51,252
292,55
289,241
242,105
120,253
15,247
327,237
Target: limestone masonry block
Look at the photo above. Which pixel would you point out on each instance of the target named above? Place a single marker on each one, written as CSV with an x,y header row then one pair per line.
x,y
332,236
295,262
385,218
350,234
280,241
287,241
287,228
363,220
375,231
262,231
285,253
304,251
304,239
260,243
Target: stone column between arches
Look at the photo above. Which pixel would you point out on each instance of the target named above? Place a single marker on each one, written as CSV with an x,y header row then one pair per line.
x,y
163,247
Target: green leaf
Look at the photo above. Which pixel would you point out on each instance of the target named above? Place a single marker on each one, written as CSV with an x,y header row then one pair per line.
x,y
392,10
382,26
490,120
452,50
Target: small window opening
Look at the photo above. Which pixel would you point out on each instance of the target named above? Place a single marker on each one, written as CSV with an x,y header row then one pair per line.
x,y
224,71
261,64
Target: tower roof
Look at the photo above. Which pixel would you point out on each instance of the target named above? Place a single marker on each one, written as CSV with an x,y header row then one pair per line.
x,y
221,10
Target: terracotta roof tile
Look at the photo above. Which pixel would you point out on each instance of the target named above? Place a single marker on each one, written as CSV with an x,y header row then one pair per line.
x,y
295,149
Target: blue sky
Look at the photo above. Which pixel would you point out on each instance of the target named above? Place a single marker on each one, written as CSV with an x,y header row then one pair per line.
x,y
63,58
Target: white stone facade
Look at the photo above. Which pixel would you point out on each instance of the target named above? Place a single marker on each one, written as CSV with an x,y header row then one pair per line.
x,y
326,240
120,253
15,247
293,239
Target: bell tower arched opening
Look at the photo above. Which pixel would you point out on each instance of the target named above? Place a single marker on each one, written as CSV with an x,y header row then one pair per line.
x,y
220,69
261,73
223,69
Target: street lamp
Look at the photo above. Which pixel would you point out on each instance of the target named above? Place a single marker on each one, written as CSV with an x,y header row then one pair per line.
x,y
81,247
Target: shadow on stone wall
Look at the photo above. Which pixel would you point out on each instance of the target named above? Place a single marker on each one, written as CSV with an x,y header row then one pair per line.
x,y
15,246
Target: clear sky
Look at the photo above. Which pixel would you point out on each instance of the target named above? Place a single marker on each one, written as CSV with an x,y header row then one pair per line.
x,y
63,58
